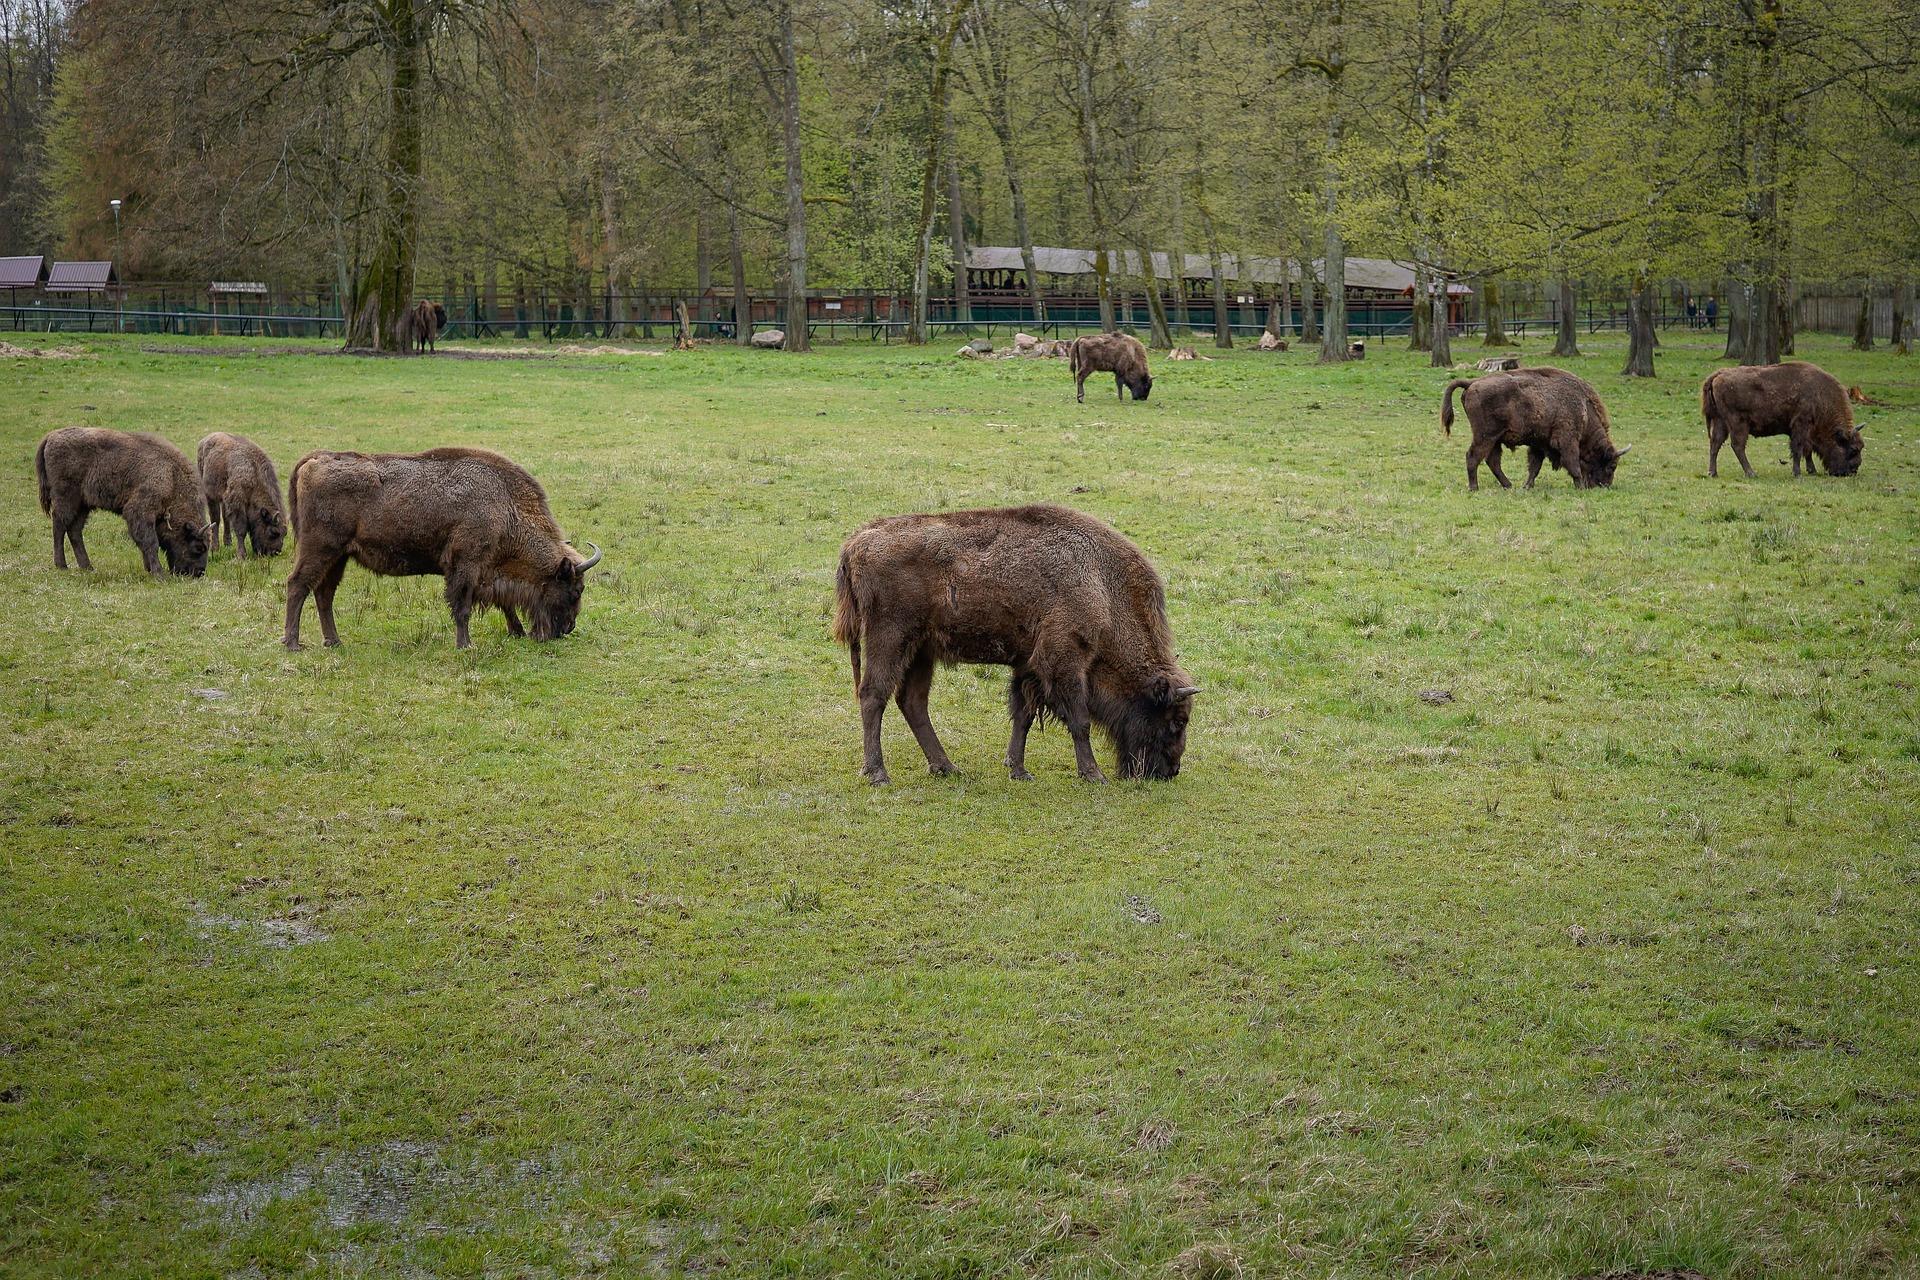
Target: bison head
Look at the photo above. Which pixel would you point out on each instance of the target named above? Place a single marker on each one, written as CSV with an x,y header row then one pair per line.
x,y
1840,453
556,604
270,533
185,545
1140,384
1152,735
1599,464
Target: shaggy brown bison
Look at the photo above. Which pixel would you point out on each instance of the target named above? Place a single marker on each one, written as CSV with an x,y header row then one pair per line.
x,y
1800,401
1066,601
419,326
243,494
1116,353
1555,416
146,479
469,515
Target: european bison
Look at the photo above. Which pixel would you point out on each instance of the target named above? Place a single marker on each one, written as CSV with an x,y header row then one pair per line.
x,y
469,515
1555,416
419,326
1117,353
144,478
243,494
1800,401
1063,599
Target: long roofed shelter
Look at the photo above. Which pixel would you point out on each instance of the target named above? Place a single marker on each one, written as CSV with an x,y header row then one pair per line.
x,y
1379,290
83,277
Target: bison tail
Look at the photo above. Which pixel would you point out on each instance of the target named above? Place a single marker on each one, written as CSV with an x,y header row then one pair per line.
x,y
846,613
1073,356
293,497
1709,405
40,474
1446,403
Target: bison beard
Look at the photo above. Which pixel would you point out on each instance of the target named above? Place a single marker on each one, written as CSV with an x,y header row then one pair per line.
x,y
146,479
1117,353
470,515
243,494
1553,415
1803,402
1067,602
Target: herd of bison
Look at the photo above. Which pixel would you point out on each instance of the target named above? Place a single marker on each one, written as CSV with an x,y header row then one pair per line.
x,y
1063,599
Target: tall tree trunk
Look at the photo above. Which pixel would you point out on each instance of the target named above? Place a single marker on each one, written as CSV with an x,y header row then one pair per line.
x,y
1420,314
1496,323
1333,338
1737,304
1159,335
1309,305
703,250
1222,324
1437,324
1863,321
796,186
1177,260
1640,304
737,255
1566,341
617,282
957,227
1784,313
1280,316
1903,318
385,288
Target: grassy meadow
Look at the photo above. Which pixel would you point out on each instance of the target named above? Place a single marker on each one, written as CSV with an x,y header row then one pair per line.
x,y
598,957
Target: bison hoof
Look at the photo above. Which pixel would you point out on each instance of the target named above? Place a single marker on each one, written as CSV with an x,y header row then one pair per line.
x,y
878,777
1019,774
1092,775
942,768
292,646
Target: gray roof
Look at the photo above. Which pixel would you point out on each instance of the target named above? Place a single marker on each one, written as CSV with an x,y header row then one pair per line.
x,y
1378,274
81,277
22,273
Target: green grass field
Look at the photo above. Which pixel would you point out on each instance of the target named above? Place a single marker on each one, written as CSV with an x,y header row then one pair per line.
x,y
599,957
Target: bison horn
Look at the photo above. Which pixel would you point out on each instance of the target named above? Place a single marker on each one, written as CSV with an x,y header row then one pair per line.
x,y
1623,451
1186,691
592,560
207,527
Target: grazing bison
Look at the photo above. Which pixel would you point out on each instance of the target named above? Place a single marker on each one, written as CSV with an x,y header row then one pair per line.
x,y
1066,601
1117,353
419,326
469,515
1800,401
144,478
1555,416
243,494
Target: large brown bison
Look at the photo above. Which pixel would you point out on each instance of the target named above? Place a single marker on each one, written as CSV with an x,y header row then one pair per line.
x,y
145,479
1117,353
1066,601
243,494
469,515
1803,402
1553,415
419,327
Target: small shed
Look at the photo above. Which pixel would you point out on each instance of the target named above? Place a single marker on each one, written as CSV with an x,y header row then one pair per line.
x,y
23,273
83,277
239,291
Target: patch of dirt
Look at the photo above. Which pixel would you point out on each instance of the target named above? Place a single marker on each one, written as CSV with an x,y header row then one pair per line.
x,y
1207,1262
10,352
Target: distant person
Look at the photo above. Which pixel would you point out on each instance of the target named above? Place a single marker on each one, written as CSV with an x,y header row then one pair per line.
x,y
1693,313
1713,312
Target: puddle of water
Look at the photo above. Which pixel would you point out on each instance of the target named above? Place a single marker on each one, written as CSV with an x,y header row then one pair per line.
x,y
279,931
378,1186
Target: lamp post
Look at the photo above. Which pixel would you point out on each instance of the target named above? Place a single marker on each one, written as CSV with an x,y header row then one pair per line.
x,y
119,324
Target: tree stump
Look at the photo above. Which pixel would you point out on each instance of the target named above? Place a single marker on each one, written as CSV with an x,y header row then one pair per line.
x,y
1498,364
685,341
1357,350
1272,342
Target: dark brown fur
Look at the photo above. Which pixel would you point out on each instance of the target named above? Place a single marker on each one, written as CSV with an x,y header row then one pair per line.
x,y
243,494
418,327
1803,402
469,515
1067,602
1117,353
1553,415
145,479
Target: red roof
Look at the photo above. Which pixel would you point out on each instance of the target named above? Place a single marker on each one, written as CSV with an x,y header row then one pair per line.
x,y
22,273
81,277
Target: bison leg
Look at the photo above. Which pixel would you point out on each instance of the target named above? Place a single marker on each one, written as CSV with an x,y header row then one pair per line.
x,y
76,524
1493,465
912,698
514,628
885,660
1022,704
146,538
323,601
300,584
1536,458
221,526
1716,436
1078,722
1119,387
1478,453
1740,451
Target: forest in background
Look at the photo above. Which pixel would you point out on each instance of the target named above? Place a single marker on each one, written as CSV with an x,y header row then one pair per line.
x,y
595,147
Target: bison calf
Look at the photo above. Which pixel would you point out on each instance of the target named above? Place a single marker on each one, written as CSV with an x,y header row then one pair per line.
x,y
1063,599
469,515
243,494
1549,412
1117,353
1803,402
146,479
